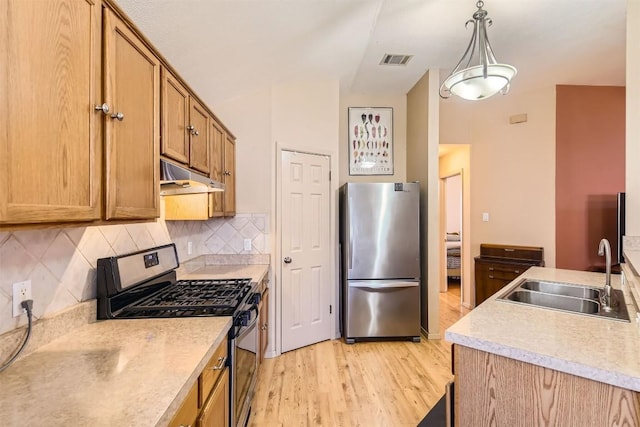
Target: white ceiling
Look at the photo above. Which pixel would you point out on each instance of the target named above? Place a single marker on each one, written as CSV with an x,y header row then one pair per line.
x,y
229,48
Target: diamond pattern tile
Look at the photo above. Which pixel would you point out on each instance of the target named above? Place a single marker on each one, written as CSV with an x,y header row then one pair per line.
x,y
61,262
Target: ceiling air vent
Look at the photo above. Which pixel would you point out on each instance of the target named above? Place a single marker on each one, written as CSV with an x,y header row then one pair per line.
x,y
393,59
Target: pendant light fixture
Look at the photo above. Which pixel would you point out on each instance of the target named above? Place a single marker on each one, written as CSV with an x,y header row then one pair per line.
x,y
478,75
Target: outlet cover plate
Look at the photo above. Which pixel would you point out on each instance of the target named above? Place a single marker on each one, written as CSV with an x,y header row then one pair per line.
x,y
247,244
21,292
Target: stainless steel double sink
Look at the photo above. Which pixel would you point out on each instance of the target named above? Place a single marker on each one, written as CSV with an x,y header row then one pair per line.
x,y
567,297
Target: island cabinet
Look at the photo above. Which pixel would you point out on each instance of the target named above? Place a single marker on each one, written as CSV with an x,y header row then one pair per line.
x,y
498,265
495,390
207,403
185,126
50,148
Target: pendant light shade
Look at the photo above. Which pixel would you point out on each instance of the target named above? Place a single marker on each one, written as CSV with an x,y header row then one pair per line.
x,y
478,75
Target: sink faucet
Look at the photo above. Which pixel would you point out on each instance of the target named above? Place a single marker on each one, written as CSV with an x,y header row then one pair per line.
x,y
605,249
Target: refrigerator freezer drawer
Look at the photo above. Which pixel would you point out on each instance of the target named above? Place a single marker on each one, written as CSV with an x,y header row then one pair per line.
x,y
377,309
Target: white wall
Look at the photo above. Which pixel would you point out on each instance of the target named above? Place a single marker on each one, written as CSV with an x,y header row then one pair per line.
x,y
632,186
453,203
422,166
513,167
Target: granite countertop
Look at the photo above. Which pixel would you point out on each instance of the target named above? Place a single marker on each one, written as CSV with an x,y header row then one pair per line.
x,y
255,272
133,372
600,349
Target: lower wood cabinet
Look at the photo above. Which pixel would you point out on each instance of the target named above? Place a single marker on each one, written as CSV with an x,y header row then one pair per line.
x,y
215,412
207,403
498,265
495,390
263,325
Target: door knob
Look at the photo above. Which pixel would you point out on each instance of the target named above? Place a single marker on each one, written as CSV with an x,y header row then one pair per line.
x,y
287,260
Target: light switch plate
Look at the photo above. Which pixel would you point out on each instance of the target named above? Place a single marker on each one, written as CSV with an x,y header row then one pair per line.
x,y
485,216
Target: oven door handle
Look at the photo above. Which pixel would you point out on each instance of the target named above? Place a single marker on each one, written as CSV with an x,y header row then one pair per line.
x,y
239,328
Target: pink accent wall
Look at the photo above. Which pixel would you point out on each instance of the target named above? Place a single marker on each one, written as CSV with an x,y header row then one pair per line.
x,y
590,171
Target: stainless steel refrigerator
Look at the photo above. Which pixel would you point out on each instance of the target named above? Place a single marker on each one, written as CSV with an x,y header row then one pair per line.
x,y
380,260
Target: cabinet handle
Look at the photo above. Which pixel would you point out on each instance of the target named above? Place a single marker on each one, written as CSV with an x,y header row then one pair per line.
x,y
491,277
491,268
509,250
104,108
516,271
118,115
220,365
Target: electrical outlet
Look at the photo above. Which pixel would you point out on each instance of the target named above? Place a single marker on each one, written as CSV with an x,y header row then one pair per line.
x,y
247,244
189,248
21,292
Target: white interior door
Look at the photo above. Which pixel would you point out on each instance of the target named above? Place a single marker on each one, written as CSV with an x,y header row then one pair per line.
x,y
306,272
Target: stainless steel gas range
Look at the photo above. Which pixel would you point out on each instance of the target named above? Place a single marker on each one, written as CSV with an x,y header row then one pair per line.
x,y
144,285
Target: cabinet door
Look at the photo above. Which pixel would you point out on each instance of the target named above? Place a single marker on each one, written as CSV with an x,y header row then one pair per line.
x,y
230,176
175,116
264,324
49,134
199,137
216,410
132,89
217,137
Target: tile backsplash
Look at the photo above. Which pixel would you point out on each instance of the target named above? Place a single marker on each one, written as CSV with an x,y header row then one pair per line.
x,y
61,262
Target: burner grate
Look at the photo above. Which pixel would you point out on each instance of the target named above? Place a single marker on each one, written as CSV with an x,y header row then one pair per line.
x,y
193,298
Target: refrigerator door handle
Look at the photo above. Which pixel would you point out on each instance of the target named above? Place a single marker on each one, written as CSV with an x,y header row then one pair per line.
x,y
351,238
382,284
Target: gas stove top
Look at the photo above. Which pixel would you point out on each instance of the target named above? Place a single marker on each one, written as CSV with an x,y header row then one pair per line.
x,y
143,285
187,298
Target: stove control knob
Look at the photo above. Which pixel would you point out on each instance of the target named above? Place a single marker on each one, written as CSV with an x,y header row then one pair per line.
x,y
243,319
255,298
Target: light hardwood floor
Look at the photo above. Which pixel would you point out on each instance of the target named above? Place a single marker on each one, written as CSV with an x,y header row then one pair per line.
x,y
392,383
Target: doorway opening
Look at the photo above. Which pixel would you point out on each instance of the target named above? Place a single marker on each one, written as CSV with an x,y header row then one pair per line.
x,y
456,272
452,218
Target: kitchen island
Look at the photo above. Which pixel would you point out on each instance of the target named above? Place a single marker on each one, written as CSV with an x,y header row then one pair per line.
x,y
518,364
134,372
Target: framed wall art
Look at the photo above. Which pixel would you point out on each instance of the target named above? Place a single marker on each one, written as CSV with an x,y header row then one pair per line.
x,y
370,141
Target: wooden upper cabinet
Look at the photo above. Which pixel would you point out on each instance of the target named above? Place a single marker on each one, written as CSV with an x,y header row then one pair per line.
x,y
199,137
49,132
229,176
175,118
217,137
132,127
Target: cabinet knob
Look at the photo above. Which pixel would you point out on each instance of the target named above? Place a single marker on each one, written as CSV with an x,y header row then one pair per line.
x,y
196,133
190,128
119,116
104,108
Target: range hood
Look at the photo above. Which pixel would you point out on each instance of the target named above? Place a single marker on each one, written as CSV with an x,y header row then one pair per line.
x,y
175,179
